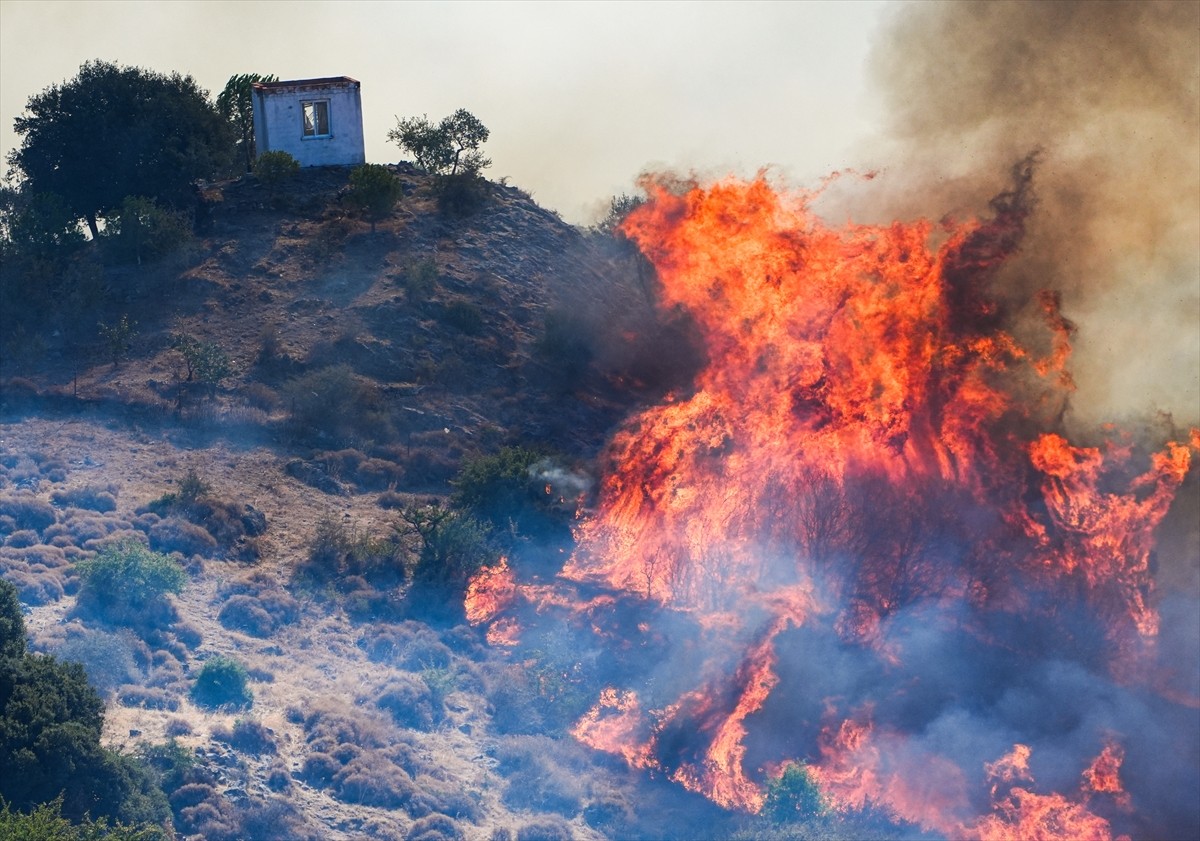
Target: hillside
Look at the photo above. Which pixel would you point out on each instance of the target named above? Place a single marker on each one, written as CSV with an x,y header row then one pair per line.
x,y
365,369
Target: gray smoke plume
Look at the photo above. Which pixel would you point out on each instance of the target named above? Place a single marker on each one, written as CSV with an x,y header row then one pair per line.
x,y
1109,93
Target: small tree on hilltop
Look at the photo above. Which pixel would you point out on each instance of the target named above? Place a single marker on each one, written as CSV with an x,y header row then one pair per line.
x,y
449,148
113,132
275,167
374,191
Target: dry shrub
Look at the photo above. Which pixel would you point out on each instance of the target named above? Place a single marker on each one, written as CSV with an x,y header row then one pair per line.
x,y
147,697
535,780
273,818
34,588
329,719
278,778
371,779
409,645
262,396
434,827
247,736
81,526
319,769
27,511
191,794
115,538
178,727
22,539
610,814
392,500
38,558
178,535
91,497
545,830
245,613
450,797
408,699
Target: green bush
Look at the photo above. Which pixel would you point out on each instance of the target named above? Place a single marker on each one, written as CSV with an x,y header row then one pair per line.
x,y
127,577
144,231
273,168
222,683
336,404
374,191
46,823
793,795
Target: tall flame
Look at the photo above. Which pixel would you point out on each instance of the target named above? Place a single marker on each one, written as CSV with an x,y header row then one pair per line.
x,y
868,436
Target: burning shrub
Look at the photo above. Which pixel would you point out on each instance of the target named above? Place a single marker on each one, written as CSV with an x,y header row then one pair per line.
x,y
222,683
91,497
453,546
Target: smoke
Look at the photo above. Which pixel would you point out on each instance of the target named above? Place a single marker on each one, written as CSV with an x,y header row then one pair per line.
x,y
1109,93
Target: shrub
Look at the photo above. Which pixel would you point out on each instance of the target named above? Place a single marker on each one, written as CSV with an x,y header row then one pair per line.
x,y
374,191
126,577
248,736
338,404
148,698
89,496
27,512
408,699
793,795
23,539
244,613
420,279
464,317
545,830
144,231
508,491
222,683
275,167
434,827
177,535
204,362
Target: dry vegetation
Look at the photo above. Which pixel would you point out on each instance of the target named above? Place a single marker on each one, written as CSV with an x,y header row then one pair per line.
x,y
367,367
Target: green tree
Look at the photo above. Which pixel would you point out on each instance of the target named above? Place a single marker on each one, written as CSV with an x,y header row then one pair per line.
x,y
113,132
222,682
118,338
12,622
453,546
126,578
46,823
794,795
449,148
236,104
374,191
205,362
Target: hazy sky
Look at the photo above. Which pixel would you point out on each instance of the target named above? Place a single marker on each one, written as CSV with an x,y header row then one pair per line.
x,y
580,97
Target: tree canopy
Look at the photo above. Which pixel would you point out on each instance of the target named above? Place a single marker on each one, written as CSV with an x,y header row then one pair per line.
x,y
451,147
236,104
115,131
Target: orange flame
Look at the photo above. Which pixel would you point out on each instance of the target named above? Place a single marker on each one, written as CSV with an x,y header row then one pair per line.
x,y
861,441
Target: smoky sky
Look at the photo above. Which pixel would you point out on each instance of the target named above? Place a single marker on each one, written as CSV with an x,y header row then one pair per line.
x,y
1108,94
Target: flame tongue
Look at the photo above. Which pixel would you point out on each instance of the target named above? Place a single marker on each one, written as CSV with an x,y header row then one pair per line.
x,y
863,443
